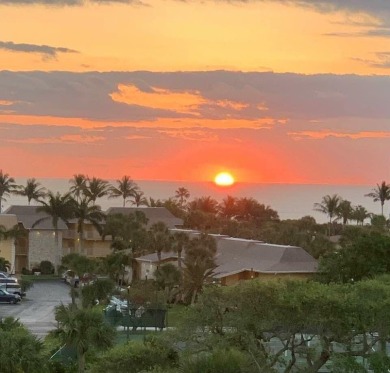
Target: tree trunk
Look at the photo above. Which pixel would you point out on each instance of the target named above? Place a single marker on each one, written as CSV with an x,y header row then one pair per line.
x,y
58,252
81,361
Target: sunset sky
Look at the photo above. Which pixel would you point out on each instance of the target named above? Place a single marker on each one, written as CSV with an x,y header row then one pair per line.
x,y
274,91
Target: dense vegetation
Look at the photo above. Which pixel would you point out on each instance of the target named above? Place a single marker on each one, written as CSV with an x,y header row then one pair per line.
x,y
337,321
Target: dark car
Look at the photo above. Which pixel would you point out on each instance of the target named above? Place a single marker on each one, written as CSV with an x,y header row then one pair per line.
x,y
6,297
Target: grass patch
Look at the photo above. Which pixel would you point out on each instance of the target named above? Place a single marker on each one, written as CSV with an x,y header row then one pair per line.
x,y
176,314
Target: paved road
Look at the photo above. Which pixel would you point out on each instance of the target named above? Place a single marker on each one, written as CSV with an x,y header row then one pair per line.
x,y
36,310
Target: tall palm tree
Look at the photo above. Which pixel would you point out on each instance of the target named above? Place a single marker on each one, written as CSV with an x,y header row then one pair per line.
x,y
329,206
380,193
83,329
160,239
344,211
32,190
96,188
58,207
78,185
180,242
125,189
84,210
7,186
139,199
182,194
199,264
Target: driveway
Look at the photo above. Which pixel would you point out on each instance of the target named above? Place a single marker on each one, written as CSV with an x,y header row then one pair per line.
x,y
36,310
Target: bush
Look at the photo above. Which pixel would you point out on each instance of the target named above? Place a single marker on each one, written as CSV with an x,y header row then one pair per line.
x,y
46,267
26,271
136,357
220,361
26,284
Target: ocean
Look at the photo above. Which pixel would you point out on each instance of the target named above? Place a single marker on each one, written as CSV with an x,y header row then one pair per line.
x,y
291,201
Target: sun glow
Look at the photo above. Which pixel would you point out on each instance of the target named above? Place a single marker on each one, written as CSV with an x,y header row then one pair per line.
x,y
224,179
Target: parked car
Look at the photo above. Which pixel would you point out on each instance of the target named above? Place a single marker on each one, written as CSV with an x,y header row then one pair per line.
x,y
8,280
71,278
6,297
6,275
13,288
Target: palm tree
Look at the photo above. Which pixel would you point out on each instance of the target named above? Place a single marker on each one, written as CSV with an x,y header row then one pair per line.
x,y
160,239
32,190
5,265
84,210
139,199
79,184
360,214
344,211
83,329
381,193
125,189
58,207
206,204
7,186
182,194
199,264
180,242
228,207
329,206
96,188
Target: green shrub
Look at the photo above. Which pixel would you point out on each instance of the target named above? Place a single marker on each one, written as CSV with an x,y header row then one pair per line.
x,y
220,361
46,267
26,284
26,271
136,357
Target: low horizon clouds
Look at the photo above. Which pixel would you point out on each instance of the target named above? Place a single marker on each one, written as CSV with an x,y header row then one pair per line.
x,y
46,51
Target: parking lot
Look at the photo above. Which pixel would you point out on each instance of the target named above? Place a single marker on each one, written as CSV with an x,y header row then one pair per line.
x,y
36,310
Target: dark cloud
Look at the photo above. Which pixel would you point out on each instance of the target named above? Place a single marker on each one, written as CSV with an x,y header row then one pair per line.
x,y
223,94
381,60
364,6
46,51
379,32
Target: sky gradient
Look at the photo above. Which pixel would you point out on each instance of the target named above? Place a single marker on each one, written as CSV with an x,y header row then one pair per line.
x,y
274,91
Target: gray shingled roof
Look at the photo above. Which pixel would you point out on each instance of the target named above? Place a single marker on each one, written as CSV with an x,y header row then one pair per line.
x,y
236,255
28,215
153,214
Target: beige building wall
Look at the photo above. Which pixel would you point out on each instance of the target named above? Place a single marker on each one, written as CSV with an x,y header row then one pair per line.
x,y
7,251
7,247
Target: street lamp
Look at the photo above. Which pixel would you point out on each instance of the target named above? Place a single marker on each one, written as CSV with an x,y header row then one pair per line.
x,y
128,313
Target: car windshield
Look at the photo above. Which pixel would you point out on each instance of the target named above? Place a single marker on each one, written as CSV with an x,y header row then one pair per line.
x,y
4,292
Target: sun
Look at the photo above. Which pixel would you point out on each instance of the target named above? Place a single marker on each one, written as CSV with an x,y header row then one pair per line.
x,y
224,179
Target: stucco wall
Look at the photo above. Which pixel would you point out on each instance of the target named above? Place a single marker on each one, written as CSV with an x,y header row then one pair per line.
x,y
246,275
42,246
7,251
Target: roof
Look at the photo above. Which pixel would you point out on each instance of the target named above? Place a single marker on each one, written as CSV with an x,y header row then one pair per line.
x,y
153,257
8,221
235,255
153,214
28,215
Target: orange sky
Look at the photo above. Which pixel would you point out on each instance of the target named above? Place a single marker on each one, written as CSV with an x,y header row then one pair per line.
x,y
281,93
